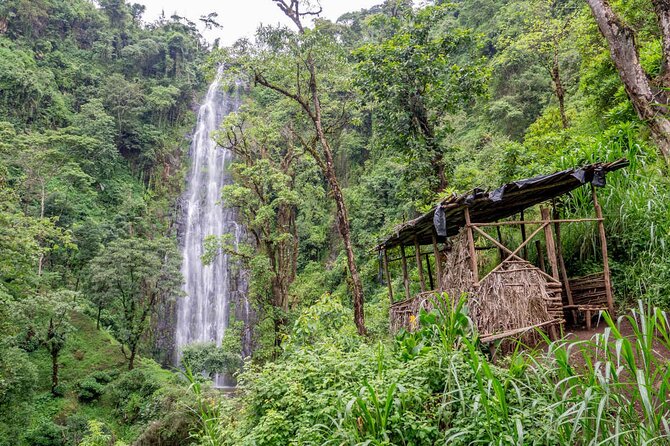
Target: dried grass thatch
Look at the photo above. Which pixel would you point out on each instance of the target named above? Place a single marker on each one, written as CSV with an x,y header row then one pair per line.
x,y
514,296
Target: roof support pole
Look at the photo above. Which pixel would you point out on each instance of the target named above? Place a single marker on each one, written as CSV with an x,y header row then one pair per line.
x,y
405,276
438,262
419,264
471,246
603,247
388,275
523,235
540,256
430,273
551,247
561,261
501,253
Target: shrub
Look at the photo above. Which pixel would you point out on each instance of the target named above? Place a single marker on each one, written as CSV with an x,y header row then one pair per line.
x,y
131,392
88,389
45,433
18,376
76,428
101,376
59,390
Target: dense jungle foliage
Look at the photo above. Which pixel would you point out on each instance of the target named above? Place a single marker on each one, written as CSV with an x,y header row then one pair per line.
x,y
347,128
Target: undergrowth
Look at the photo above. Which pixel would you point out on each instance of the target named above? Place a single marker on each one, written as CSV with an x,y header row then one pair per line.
x,y
435,386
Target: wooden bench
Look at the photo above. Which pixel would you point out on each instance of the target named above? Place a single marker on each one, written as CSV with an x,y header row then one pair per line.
x,y
589,296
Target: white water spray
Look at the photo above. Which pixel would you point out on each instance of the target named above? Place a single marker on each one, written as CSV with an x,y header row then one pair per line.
x,y
203,314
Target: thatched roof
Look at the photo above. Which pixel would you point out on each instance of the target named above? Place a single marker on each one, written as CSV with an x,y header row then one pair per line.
x,y
507,200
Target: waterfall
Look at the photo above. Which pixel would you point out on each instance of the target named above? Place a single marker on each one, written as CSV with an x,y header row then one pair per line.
x,y
203,314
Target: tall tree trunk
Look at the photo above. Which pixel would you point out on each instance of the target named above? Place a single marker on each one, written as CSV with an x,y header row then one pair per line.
x,y
559,89
54,350
54,369
40,260
342,214
662,9
291,8
624,52
424,128
97,319
131,360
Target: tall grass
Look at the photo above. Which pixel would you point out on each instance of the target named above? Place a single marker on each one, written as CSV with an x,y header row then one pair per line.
x,y
637,215
617,393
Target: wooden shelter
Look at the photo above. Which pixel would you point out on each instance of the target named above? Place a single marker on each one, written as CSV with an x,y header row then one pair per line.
x,y
515,295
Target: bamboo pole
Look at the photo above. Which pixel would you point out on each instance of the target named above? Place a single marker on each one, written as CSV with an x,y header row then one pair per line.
x,y
405,277
388,275
551,247
471,246
419,264
603,247
438,263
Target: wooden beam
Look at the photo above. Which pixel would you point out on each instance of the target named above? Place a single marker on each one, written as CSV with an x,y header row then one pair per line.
x,y
438,263
388,275
405,277
523,235
549,242
493,337
513,254
419,264
561,261
501,253
540,256
395,259
603,247
471,246
430,272
536,222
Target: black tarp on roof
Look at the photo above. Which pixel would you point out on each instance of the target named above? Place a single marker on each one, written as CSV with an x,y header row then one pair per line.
x,y
503,202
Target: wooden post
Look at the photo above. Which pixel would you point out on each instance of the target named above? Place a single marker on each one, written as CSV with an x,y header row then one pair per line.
x,y
540,256
405,277
551,247
438,263
523,235
603,247
419,264
561,260
388,275
430,273
501,253
471,246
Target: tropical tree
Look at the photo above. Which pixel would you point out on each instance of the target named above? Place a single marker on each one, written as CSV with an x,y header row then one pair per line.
x,y
47,316
649,95
267,161
545,29
135,274
290,64
415,77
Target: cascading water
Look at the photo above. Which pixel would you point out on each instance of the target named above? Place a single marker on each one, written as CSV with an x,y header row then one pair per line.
x,y
211,290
